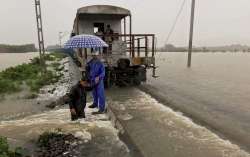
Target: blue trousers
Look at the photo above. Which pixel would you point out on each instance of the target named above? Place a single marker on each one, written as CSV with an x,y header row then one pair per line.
x,y
99,95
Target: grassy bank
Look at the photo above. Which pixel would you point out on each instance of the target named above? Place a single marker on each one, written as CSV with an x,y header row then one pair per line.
x,y
5,150
13,79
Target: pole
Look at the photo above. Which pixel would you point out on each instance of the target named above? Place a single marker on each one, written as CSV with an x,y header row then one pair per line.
x,y
41,28
191,35
40,33
146,46
60,39
124,29
130,33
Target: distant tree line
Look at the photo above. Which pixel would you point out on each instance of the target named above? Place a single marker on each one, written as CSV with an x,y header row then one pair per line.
x,y
230,48
17,48
172,48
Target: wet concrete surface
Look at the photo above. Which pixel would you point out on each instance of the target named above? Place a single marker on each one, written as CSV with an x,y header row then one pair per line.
x,y
158,131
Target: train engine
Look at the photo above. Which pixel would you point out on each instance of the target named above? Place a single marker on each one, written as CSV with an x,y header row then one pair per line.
x,y
128,56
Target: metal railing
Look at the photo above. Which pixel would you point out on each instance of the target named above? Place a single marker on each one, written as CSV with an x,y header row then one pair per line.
x,y
137,44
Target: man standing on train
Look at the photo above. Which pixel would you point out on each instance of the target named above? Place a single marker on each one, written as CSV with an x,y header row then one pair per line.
x,y
96,74
109,37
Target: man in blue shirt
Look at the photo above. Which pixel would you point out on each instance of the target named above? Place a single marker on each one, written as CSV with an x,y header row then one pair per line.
x,y
96,74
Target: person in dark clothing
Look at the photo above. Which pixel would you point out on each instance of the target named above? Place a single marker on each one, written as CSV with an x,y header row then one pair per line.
x,y
109,39
109,30
77,100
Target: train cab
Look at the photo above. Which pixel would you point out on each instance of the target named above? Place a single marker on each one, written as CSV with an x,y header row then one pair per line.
x,y
128,56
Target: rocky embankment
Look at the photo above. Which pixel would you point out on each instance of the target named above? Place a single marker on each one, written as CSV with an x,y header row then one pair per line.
x,y
56,93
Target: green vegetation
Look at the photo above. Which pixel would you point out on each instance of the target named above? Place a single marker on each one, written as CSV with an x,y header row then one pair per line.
x,y
55,56
17,48
12,79
43,140
5,149
56,143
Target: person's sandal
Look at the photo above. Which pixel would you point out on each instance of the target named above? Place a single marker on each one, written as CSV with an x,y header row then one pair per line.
x,y
98,112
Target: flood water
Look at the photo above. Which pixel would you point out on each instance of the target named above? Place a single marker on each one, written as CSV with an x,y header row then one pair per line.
x,y
215,90
13,59
159,131
99,136
10,104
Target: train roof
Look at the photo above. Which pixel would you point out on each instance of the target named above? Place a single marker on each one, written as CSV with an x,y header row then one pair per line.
x,y
105,10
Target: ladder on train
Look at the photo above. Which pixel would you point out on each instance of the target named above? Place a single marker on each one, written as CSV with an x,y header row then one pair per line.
x,y
40,31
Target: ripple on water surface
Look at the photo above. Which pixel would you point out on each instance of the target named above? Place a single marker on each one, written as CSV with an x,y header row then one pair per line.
x,y
178,133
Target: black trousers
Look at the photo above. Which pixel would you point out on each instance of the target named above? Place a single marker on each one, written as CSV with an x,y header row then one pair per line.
x,y
77,116
79,112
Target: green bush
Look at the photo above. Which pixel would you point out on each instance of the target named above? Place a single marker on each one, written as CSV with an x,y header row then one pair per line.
x,y
58,55
43,140
31,74
49,57
55,64
48,78
8,86
5,150
21,72
55,56
35,60
4,147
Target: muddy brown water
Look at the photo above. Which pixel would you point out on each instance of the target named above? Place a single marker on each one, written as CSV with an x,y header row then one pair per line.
x,y
14,105
215,90
99,137
13,59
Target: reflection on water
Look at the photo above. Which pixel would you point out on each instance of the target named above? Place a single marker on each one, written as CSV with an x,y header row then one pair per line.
x,y
13,59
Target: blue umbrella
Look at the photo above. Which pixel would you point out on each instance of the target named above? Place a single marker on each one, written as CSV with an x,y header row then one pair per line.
x,y
85,41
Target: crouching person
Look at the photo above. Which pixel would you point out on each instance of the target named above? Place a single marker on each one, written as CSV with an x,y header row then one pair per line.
x,y
77,99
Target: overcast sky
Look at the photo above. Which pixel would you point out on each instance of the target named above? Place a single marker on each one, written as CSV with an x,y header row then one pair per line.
x,y
218,22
